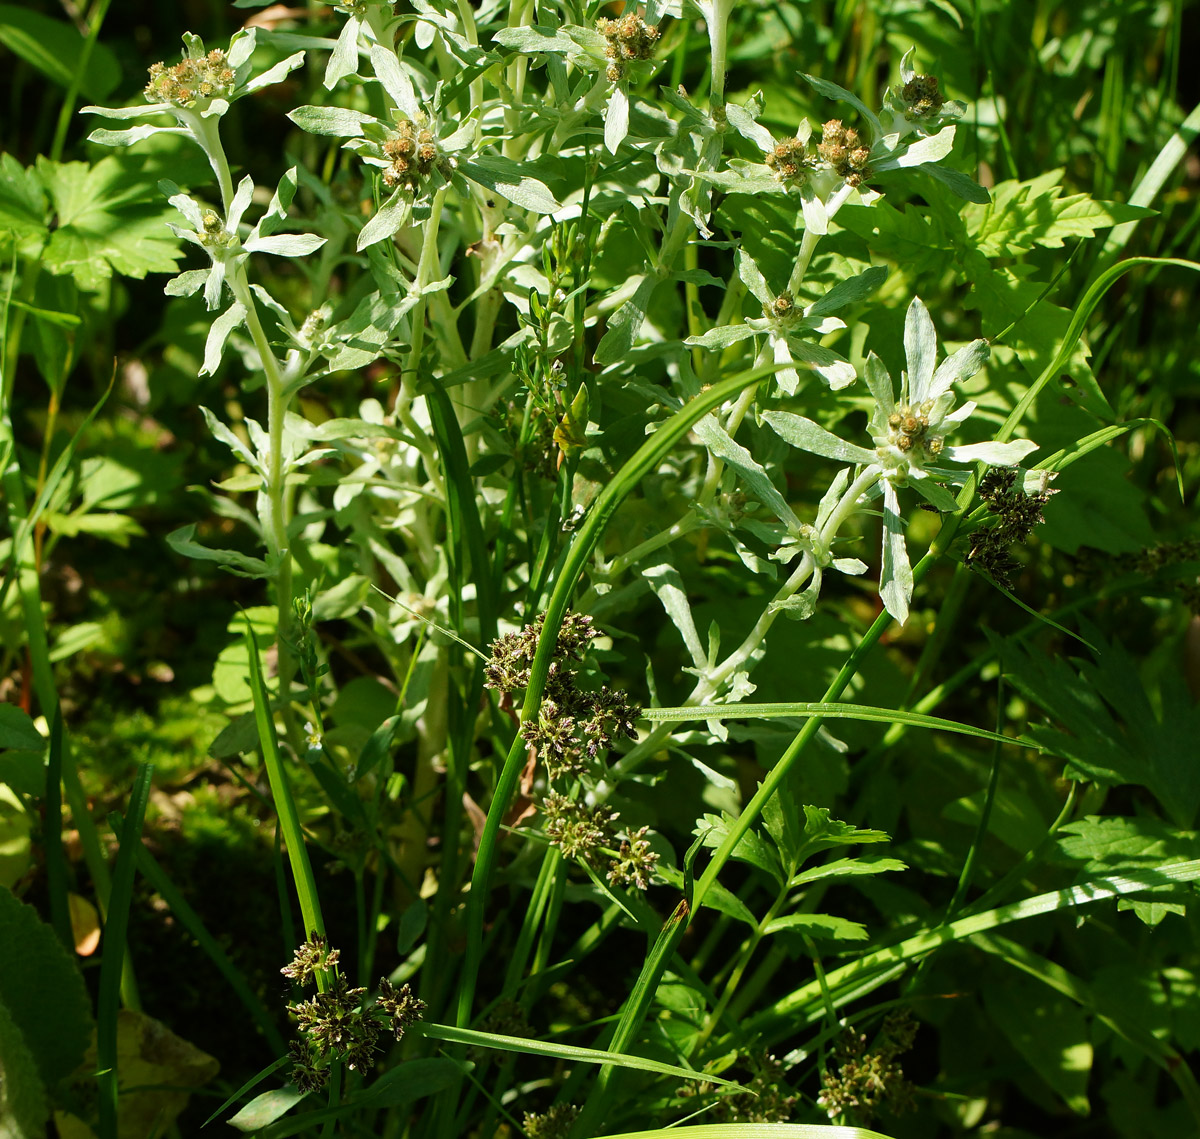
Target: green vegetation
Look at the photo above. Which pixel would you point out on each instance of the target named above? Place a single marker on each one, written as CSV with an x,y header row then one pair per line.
x,y
570,571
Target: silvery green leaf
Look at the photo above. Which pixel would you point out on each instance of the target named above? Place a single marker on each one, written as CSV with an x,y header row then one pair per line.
x,y
896,580
395,81
721,337
213,286
616,119
182,202
786,375
462,137
103,137
667,585
425,34
241,199
343,60
337,122
848,292
743,122
285,244
997,454
852,567
394,214
276,212
535,40
187,283
506,178
880,384
273,75
756,179
800,606
214,346
920,350
959,184
931,149
812,437
961,366
269,302
752,278
224,434
241,47
724,447
816,217
833,91
835,371
135,112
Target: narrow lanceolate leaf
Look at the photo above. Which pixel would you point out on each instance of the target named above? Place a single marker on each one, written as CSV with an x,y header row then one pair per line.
x,y
810,436
755,478
337,122
393,215
395,81
214,346
931,149
896,585
827,711
564,1052
505,177
285,244
616,121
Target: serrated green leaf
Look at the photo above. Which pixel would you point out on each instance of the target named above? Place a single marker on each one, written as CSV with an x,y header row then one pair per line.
x,y
108,218
42,991
1022,215
23,1107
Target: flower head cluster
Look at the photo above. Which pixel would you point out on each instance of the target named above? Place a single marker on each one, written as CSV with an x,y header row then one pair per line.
x,y
552,1124
767,1099
576,830
201,86
635,861
335,1024
909,433
192,81
572,726
1016,506
790,160
625,40
917,105
414,152
861,1080
309,959
845,152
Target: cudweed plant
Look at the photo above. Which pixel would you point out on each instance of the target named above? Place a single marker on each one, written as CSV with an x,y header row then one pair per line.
x,y
613,328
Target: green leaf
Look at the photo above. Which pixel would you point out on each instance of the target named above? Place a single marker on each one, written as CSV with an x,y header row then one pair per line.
x,y
1107,726
847,868
821,927
55,48
17,730
182,542
266,1108
508,179
42,991
108,218
22,199
1049,1031
752,848
23,1107
1022,215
